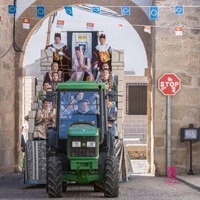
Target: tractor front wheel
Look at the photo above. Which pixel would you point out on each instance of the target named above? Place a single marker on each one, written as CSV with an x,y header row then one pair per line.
x,y
111,186
54,182
98,186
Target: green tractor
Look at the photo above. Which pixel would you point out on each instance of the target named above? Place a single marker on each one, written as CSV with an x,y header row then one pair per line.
x,y
80,149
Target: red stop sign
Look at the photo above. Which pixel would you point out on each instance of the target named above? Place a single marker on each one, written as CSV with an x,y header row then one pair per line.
x,y
169,84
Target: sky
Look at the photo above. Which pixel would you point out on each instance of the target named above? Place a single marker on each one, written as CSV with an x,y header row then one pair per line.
x,y
124,38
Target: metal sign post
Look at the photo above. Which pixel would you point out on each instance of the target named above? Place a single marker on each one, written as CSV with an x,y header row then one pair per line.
x,y
169,84
190,172
169,127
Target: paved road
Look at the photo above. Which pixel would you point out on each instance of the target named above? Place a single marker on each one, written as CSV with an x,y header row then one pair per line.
x,y
137,188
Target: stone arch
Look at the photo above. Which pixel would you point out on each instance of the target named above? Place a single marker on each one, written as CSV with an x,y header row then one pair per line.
x,y
137,17
22,38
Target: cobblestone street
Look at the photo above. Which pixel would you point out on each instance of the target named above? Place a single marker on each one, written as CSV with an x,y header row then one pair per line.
x,y
137,188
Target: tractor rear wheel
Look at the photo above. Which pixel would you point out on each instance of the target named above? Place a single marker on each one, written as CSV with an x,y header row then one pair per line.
x,y
54,182
111,189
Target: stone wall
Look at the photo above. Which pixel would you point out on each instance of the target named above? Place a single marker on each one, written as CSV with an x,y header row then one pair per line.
x,y
135,125
7,92
179,55
28,83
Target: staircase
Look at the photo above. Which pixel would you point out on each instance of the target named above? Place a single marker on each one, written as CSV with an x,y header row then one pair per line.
x,y
45,63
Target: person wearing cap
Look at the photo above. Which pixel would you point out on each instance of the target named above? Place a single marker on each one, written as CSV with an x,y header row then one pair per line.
x,y
61,54
81,66
102,54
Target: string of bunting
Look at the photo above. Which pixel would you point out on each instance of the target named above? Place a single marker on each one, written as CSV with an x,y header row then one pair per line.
x,y
125,10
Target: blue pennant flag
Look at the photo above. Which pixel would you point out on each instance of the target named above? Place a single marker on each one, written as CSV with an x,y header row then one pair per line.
x,y
153,12
125,10
96,9
40,11
12,9
179,10
68,10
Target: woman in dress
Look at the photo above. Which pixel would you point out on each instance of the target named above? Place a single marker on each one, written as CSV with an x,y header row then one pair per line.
x,y
81,67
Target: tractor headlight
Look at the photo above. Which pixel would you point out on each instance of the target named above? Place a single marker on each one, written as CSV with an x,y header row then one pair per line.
x,y
76,144
91,144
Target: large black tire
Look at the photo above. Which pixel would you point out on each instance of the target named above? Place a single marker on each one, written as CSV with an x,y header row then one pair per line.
x,y
98,186
111,151
111,185
54,182
46,186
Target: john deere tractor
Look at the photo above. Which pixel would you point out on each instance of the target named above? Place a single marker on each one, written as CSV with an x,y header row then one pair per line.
x,y
80,148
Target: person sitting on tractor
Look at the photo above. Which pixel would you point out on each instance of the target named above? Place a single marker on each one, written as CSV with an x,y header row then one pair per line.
x,y
83,108
105,78
66,110
44,118
42,94
54,68
61,55
99,74
84,114
102,54
54,81
81,66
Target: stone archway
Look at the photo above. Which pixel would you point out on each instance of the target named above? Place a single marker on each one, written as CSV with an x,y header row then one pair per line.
x,y
22,38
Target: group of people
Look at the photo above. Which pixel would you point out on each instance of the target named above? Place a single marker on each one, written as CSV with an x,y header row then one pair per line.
x,y
80,67
65,68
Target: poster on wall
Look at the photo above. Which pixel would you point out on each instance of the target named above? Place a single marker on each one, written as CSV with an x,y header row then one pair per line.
x,y
84,40
26,23
179,31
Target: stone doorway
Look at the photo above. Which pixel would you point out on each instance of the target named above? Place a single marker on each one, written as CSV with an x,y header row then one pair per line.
x,y
22,39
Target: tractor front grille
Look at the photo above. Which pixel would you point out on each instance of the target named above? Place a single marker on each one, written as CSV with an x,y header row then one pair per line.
x,y
83,150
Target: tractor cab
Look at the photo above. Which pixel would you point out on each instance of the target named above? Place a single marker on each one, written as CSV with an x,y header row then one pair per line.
x,y
77,107
85,106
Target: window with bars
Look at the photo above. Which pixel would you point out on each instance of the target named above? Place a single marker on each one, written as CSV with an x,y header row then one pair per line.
x,y
136,98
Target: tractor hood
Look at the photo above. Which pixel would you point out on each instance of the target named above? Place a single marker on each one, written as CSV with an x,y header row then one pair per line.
x,y
82,130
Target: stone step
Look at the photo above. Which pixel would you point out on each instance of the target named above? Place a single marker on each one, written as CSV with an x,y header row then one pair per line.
x,y
135,135
134,141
